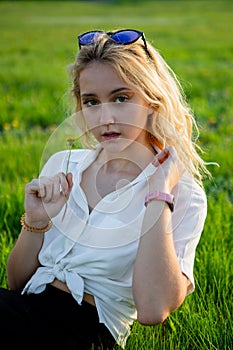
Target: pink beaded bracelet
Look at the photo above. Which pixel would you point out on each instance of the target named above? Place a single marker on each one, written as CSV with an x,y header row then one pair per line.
x,y
161,196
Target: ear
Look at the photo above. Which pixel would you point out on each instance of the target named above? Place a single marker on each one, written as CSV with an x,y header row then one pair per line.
x,y
150,110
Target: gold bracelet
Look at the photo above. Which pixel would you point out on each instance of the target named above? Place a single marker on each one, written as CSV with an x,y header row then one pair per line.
x,y
34,229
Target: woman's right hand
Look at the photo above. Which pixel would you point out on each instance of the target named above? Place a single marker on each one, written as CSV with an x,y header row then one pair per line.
x,y
45,197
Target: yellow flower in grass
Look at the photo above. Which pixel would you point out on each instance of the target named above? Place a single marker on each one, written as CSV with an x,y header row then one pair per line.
x,y
6,126
15,123
212,120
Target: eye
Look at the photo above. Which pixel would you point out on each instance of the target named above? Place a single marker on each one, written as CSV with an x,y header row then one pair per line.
x,y
90,102
121,98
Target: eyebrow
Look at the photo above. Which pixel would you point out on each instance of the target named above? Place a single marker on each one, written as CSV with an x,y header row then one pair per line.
x,y
111,93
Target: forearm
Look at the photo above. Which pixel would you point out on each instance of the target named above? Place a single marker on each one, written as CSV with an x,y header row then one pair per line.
x,y
158,283
23,259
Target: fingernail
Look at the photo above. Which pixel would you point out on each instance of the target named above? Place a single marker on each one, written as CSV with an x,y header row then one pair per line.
x,y
155,162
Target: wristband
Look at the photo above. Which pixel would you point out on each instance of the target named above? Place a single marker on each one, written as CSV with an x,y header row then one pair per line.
x,y
34,229
160,196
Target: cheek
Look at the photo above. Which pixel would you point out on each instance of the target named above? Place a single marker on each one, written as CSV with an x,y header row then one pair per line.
x,y
91,119
132,132
136,115
138,122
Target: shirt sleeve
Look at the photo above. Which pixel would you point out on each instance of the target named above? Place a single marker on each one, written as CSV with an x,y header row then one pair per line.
x,y
188,222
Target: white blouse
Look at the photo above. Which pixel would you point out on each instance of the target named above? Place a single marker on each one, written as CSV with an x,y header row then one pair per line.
x,y
95,252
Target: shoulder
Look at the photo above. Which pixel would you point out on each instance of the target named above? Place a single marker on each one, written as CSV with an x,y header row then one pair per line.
x,y
189,216
190,198
58,161
188,188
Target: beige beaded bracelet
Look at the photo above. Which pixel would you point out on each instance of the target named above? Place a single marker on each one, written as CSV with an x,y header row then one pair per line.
x,y
34,229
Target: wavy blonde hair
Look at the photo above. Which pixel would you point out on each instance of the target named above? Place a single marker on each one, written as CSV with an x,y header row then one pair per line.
x,y
172,122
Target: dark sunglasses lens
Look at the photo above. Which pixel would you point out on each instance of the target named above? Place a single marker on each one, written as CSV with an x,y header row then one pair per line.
x,y
88,38
126,36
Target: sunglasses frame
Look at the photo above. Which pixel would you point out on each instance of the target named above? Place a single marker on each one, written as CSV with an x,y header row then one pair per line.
x,y
111,34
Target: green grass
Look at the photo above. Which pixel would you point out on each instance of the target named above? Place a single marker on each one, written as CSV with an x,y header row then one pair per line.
x,y
38,42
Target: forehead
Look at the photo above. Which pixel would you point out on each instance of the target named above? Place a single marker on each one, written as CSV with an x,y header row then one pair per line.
x,y
99,74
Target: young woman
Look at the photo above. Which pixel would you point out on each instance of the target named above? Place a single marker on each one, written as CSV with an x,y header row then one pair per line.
x,y
113,240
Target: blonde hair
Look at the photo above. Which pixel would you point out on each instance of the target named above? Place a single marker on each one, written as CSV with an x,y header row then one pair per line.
x,y
172,122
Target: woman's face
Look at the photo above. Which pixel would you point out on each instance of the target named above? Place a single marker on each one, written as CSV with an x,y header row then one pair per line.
x,y
114,112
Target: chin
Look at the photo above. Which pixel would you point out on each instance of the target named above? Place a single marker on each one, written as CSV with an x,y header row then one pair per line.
x,y
116,146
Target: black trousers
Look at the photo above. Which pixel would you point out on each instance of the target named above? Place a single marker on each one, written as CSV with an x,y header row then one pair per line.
x,y
51,320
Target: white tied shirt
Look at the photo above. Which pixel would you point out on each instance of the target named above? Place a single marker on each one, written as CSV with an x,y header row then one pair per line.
x,y
95,252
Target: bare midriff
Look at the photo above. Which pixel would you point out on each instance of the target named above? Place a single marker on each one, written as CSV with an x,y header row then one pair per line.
x,y
61,285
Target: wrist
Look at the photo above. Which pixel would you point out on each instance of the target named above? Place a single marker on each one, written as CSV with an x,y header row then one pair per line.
x,y
159,185
161,196
35,223
37,227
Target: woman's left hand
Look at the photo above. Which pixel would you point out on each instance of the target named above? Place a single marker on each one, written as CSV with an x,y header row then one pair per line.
x,y
170,169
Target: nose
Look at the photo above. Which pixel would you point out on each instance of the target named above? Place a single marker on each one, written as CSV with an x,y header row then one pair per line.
x,y
106,114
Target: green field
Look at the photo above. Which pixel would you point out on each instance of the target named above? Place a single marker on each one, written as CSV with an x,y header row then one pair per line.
x,y
38,40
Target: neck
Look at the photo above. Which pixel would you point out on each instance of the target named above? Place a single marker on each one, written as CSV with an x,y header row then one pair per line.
x,y
132,160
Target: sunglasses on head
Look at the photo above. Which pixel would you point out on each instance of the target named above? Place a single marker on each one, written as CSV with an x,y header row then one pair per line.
x,y
123,37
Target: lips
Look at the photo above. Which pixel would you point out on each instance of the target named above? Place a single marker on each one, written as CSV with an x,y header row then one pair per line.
x,y
110,135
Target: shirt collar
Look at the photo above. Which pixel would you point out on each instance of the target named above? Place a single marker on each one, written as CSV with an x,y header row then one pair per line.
x,y
91,157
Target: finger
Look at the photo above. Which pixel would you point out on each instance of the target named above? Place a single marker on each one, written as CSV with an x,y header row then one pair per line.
x,y
69,178
64,185
42,191
46,190
161,157
35,187
155,162
56,188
